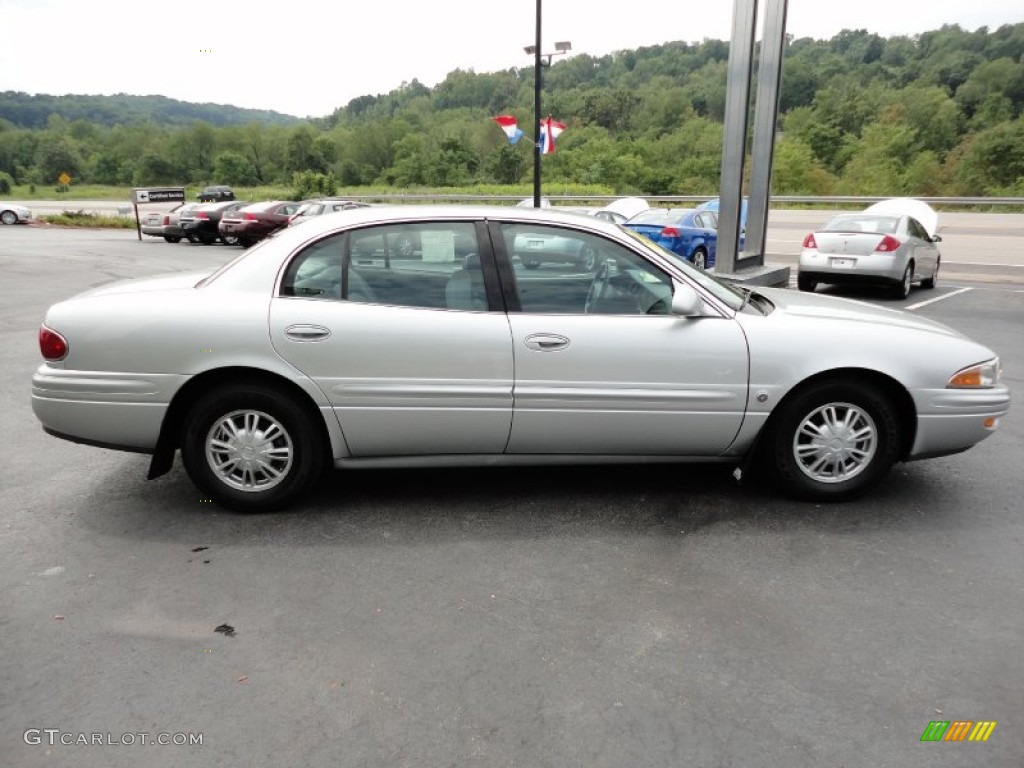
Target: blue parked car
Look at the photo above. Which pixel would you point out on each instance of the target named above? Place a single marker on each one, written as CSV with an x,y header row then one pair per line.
x,y
692,234
712,205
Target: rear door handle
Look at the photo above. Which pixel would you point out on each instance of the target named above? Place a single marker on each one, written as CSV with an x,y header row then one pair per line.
x,y
546,342
307,332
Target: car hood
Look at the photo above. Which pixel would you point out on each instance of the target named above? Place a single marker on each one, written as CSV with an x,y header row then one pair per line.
x,y
171,282
825,308
908,206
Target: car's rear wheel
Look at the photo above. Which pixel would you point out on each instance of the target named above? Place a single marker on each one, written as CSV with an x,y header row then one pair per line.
x,y
9,217
806,283
833,440
246,242
902,289
700,258
251,448
172,239
930,281
229,239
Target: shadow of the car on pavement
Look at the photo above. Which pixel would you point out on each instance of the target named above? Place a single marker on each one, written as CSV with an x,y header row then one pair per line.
x,y
417,505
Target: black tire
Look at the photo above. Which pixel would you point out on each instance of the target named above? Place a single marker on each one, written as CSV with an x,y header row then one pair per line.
x,y
700,258
806,283
9,217
531,264
172,239
288,462
902,289
875,431
246,242
229,239
192,238
930,281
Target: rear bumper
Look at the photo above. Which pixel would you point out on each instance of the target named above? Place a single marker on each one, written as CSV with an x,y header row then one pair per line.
x,y
875,268
952,420
117,410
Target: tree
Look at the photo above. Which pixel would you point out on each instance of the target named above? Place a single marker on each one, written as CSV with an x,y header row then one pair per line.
x,y
234,168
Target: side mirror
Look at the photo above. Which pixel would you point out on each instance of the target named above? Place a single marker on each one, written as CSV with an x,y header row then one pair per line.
x,y
686,302
936,238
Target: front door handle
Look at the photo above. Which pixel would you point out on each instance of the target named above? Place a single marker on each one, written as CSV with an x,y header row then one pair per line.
x,y
307,332
546,342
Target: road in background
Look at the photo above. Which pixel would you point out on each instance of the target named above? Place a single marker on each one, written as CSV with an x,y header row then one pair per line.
x,y
987,247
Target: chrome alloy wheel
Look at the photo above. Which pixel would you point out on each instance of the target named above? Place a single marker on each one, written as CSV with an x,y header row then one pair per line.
x,y
249,450
835,442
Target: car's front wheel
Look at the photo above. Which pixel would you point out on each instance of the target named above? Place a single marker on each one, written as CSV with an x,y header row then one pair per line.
x,y
9,217
251,448
834,440
700,258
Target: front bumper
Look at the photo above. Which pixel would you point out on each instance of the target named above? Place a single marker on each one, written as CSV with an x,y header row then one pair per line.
x,y
117,410
952,420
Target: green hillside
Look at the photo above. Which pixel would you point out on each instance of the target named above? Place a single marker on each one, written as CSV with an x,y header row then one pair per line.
x,y
939,113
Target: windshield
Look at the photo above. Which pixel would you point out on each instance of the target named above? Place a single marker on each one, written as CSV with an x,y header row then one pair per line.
x,y
722,290
885,225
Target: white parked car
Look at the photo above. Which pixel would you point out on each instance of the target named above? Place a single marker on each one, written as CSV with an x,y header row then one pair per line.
x,y
14,214
891,243
325,346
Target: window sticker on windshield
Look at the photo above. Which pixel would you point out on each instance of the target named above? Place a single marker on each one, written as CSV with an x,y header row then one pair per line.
x,y
438,246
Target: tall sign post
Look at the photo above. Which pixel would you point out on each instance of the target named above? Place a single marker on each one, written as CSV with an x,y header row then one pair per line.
x,y
154,195
734,148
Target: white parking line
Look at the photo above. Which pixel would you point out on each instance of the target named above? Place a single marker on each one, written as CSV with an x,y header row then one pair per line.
x,y
938,298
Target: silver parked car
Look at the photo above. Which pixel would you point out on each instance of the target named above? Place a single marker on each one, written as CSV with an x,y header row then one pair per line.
x,y
325,345
891,243
14,214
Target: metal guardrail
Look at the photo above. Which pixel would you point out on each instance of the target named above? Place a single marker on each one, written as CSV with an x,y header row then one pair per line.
x,y
852,200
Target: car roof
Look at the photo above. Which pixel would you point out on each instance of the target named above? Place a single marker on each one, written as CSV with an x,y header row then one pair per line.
x,y
386,214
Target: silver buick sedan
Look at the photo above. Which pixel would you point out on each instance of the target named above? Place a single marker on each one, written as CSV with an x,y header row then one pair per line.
x,y
329,344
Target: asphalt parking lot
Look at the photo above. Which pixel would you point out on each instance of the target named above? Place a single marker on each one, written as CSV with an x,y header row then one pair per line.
x,y
591,617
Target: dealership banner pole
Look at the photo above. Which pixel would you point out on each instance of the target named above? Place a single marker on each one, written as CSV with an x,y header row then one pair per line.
x,y
734,143
766,115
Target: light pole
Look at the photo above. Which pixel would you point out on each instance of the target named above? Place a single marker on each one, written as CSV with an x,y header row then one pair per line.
x,y
538,58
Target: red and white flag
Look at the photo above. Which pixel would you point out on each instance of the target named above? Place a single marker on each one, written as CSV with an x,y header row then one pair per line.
x,y
508,125
549,131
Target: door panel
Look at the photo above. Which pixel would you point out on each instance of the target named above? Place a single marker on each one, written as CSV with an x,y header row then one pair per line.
x,y
402,380
393,324
602,368
628,385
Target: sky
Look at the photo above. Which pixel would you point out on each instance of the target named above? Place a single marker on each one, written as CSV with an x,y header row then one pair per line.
x,y
308,57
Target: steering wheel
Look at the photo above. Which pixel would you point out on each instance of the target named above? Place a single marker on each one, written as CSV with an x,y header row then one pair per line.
x,y
598,288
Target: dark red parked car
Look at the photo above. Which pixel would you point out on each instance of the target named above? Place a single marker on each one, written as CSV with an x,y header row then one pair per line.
x,y
256,221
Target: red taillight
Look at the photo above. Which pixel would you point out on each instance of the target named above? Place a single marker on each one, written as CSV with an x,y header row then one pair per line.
x,y
670,232
167,220
52,344
888,245
202,215
809,241
250,216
